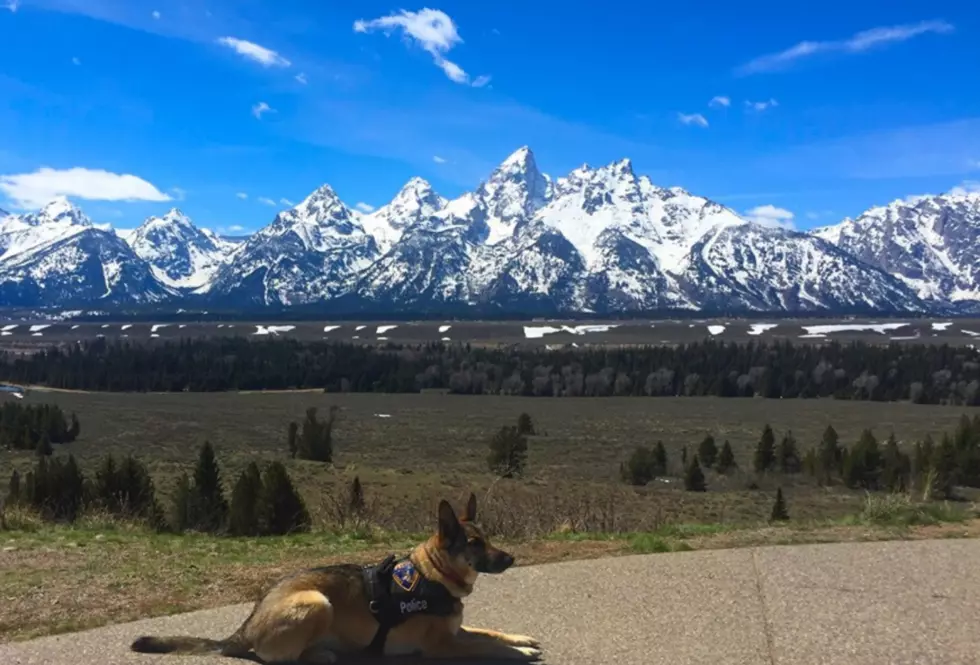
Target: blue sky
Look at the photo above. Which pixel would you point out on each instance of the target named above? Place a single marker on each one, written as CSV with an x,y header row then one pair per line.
x,y
230,109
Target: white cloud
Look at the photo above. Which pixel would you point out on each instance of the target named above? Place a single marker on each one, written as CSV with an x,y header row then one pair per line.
x,y
693,119
236,228
431,29
267,201
966,187
364,207
301,78
719,101
857,43
12,5
286,202
438,160
29,190
260,54
179,193
261,108
770,215
156,15
761,106
75,61
242,195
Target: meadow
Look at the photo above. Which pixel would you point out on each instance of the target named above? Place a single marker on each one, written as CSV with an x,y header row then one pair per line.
x,y
409,451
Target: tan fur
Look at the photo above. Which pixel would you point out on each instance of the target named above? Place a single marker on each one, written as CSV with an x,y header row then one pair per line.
x,y
312,615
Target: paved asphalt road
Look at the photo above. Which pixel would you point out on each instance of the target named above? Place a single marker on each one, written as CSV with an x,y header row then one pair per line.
x,y
854,604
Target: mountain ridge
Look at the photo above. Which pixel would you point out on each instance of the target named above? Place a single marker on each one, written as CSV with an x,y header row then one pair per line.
x,y
597,240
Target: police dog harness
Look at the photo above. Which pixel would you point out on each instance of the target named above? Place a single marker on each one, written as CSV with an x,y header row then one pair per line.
x,y
398,591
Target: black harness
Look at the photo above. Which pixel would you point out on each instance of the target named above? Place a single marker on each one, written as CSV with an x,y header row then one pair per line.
x,y
397,591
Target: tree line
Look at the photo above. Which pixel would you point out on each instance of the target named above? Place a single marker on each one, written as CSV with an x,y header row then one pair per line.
x,y
36,427
263,501
934,468
928,374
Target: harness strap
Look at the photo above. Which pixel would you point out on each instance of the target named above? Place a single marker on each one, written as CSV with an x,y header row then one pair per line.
x,y
377,582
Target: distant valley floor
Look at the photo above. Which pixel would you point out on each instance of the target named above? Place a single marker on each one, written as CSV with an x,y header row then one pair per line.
x,y
957,332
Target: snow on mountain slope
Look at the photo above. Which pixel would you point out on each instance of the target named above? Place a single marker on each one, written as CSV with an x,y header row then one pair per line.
x,y
932,243
765,268
512,194
414,204
57,256
182,255
309,253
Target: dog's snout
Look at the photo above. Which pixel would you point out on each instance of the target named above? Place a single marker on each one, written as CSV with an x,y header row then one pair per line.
x,y
504,562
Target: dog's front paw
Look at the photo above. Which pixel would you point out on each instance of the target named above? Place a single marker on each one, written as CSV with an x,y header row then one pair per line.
x,y
523,641
529,653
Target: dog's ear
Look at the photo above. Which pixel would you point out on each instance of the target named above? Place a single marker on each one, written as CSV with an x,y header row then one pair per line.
x,y
448,523
470,509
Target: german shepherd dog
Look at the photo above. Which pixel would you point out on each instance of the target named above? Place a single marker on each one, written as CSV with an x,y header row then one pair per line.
x,y
312,615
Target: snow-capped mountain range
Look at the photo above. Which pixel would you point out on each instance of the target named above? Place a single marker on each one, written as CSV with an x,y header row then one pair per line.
x,y
600,239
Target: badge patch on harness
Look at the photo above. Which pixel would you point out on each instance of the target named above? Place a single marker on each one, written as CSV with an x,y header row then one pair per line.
x,y
405,575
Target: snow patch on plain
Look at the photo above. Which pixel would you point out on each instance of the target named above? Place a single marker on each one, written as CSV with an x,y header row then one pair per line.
x,y
272,330
537,332
127,326
157,326
852,327
444,329
716,330
40,327
10,327
941,326
970,333
759,328
330,328
383,329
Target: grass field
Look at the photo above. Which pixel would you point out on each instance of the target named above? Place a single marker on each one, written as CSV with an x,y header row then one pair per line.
x,y
570,504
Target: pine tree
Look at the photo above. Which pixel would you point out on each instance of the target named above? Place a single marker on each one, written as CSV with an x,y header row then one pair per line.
x,y
726,458
708,451
137,494
896,466
862,463
508,453
69,486
106,489
829,455
765,452
208,508
524,425
779,511
292,439
44,448
659,459
180,515
75,429
244,515
787,456
355,497
639,468
14,489
282,508
943,465
684,457
694,477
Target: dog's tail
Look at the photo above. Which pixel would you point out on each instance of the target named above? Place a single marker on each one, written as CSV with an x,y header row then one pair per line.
x,y
199,646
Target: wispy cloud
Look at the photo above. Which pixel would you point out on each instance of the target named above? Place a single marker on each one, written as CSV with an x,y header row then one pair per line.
x,y
75,61
364,207
261,108
770,215
242,195
179,193
966,187
438,160
12,5
155,15
720,101
301,78
286,202
431,29
34,189
857,43
761,106
693,119
267,201
235,228
252,51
